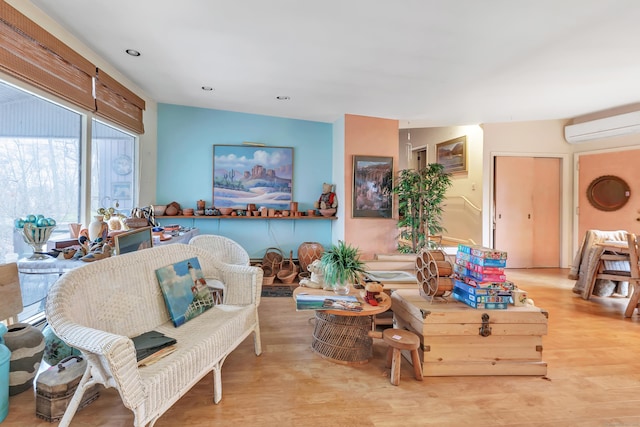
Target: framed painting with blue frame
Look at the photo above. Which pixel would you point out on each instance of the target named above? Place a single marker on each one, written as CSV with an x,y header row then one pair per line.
x,y
244,174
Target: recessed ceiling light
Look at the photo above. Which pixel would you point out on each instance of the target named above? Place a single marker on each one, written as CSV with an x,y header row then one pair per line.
x,y
283,98
132,52
207,88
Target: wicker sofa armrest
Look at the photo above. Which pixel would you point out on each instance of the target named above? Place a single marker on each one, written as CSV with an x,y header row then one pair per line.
x,y
243,284
111,357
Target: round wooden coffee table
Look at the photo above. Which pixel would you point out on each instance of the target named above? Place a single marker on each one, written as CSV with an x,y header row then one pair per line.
x,y
343,336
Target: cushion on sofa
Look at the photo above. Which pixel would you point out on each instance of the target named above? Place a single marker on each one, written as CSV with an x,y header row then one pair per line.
x,y
208,338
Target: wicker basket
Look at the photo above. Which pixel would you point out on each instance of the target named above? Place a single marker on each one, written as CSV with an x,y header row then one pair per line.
x,y
273,258
268,280
288,270
268,275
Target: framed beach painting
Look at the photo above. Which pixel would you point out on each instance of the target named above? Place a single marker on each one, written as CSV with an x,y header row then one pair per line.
x,y
452,154
372,187
252,174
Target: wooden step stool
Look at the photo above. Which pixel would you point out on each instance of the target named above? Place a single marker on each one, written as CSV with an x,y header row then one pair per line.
x,y
398,340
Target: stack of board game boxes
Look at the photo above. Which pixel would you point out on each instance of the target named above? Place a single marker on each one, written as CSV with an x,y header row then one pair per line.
x,y
479,278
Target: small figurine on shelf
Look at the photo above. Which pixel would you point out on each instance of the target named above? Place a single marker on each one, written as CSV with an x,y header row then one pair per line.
x,y
328,202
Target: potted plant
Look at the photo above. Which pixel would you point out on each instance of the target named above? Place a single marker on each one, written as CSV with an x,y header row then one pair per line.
x,y
341,266
420,197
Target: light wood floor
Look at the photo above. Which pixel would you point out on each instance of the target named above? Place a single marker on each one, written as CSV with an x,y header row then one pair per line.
x,y
593,378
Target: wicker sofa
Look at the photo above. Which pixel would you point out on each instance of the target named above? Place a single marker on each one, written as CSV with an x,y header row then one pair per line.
x,y
98,307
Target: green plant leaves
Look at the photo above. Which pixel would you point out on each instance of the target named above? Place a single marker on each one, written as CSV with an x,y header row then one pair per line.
x,y
420,197
341,263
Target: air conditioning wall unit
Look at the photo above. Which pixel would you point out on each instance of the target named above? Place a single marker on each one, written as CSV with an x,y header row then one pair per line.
x,y
622,124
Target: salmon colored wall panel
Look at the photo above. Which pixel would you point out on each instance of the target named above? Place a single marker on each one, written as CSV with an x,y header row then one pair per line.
x,y
528,210
623,164
369,136
546,213
514,225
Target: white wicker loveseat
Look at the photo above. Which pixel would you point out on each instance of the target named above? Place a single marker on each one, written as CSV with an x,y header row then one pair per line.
x,y
98,307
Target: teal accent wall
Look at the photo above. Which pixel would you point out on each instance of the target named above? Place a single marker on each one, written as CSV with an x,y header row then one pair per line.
x,y
186,136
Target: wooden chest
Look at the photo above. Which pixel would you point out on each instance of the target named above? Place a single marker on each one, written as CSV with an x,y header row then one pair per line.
x,y
459,340
55,388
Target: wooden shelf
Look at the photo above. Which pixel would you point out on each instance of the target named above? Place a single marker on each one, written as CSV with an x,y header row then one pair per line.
x,y
249,218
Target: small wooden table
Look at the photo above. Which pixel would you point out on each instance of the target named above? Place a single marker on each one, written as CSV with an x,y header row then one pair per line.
x,y
343,336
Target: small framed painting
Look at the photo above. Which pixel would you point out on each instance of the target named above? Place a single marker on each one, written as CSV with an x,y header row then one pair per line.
x,y
452,154
372,187
134,240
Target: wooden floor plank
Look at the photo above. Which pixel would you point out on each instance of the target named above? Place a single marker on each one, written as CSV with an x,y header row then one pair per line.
x,y
592,379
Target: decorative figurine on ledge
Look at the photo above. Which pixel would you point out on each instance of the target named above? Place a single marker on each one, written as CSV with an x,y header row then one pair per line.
x,y
317,277
99,252
327,204
91,250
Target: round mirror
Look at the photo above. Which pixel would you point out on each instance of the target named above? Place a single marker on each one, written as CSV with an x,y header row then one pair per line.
x,y
608,193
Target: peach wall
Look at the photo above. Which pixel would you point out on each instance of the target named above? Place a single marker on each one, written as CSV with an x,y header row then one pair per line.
x,y
623,164
369,136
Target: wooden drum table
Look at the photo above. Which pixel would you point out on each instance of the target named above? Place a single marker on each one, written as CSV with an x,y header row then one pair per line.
x,y
342,336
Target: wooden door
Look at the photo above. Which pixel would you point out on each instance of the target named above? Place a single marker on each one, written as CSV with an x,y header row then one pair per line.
x,y
513,222
419,158
546,213
527,211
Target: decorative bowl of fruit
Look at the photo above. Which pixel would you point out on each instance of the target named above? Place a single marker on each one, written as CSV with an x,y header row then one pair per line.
x,y
36,231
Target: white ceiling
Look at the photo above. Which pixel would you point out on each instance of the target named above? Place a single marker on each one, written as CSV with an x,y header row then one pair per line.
x,y
425,62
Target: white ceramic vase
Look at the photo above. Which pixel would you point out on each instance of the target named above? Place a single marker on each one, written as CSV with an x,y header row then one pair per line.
x,y
95,227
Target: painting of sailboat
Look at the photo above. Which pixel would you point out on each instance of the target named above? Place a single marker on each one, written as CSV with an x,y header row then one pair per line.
x,y
252,174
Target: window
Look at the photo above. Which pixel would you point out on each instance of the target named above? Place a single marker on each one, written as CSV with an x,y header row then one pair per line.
x,y
113,178
45,166
43,157
40,153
